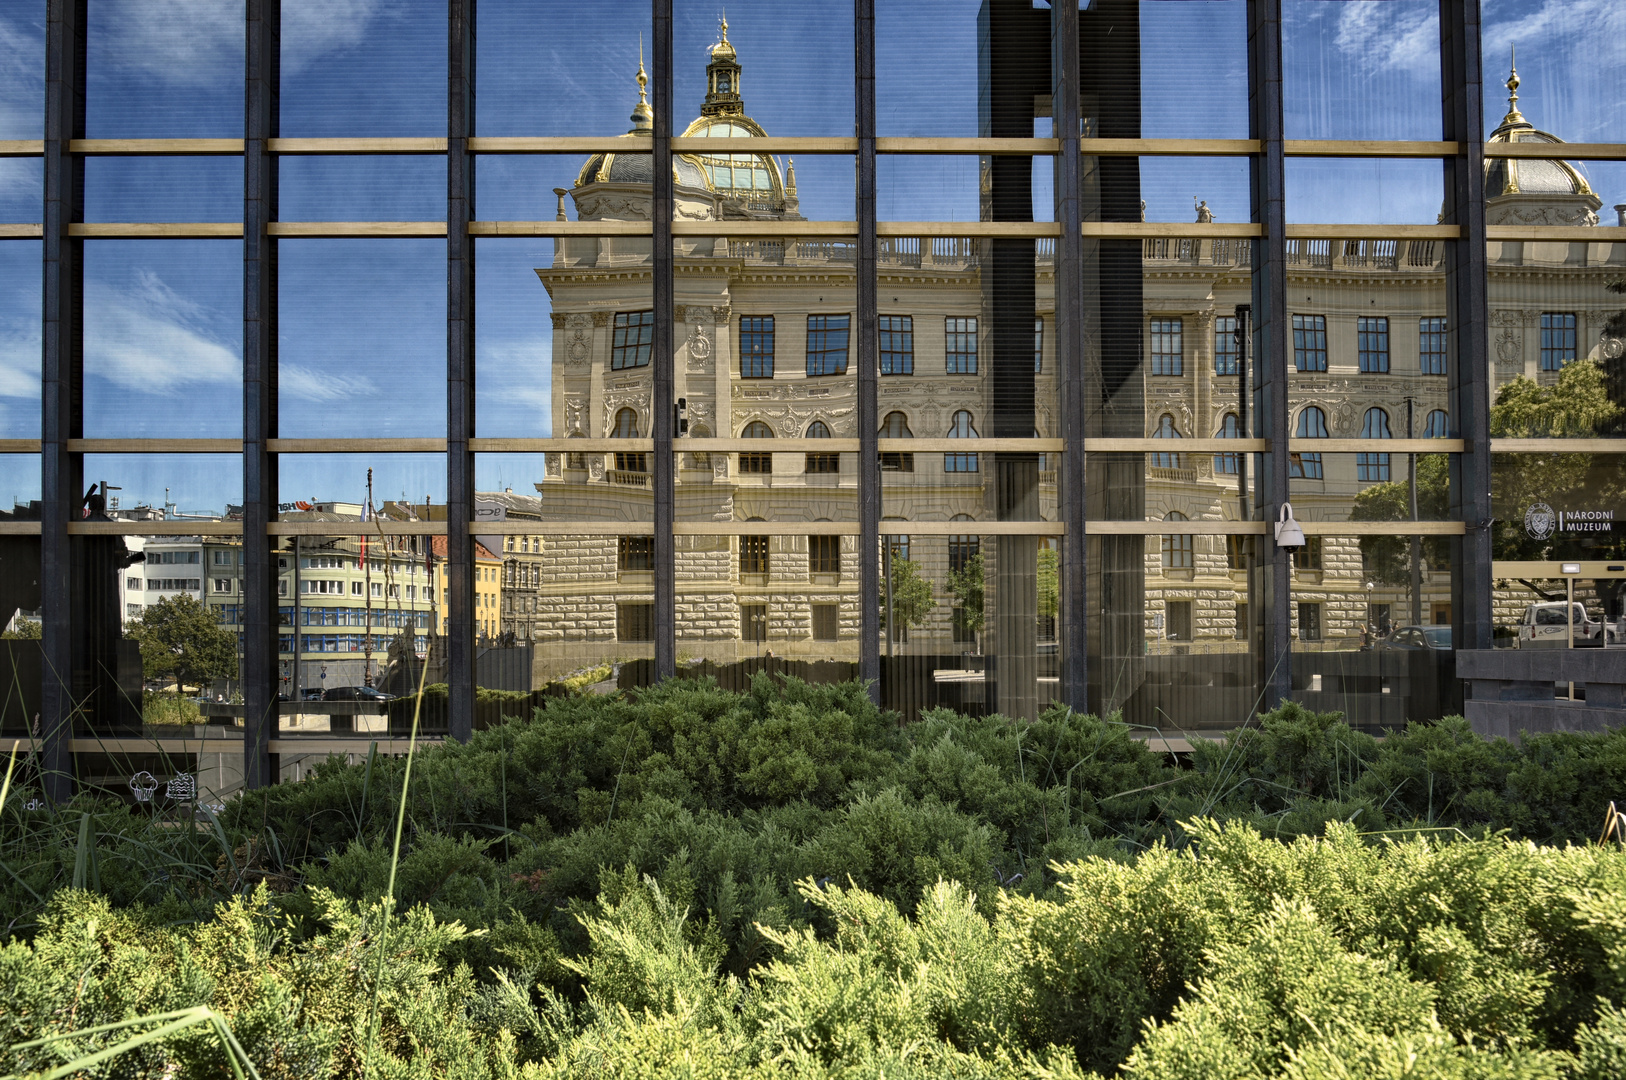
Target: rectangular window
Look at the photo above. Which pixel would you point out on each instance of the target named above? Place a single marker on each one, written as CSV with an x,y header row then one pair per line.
x,y
1177,553
959,462
756,347
1557,339
1309,622
1227,353
827,344
962,549
822,463
1308,557
132,583
1310,342
634,339
960,349
635,622
635,553
897,344
753,554
756,462
222,558
963,634
1372,343
1372,468
754,622
1237,551
1179,620
1431,344
1038,346
1240,632
826,622
1166,347
222,584
132,610
824,554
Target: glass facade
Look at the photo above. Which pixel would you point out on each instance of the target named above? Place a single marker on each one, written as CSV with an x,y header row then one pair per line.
x,y
988,396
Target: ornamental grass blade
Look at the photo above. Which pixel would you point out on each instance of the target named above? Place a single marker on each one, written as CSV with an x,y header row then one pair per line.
x,y
173,1022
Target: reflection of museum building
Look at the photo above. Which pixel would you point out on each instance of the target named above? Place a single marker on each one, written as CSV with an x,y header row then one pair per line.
x,y
763,341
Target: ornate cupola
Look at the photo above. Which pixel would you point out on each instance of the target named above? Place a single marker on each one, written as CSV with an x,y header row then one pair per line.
x,y
1533,191
723,80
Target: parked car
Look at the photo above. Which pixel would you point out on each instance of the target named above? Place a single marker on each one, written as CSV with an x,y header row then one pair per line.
x,y
1419,637
1545,626
355,693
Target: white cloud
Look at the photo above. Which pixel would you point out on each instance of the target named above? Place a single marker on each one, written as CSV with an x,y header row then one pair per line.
x,y
1389,35
20,358
200,42
1571,56
309,384
149,338
522,368
22,79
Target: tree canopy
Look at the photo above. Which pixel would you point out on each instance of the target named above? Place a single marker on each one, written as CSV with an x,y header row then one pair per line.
x,y
181,638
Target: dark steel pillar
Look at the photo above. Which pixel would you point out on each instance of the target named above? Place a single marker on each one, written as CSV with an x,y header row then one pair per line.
x,y
1069,350
460,370
1270,587
1467,329
62,360
260,604
868,358
663,395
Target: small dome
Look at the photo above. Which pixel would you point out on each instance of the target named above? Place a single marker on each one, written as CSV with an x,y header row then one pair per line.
x,y
640,169
752,176
1528,176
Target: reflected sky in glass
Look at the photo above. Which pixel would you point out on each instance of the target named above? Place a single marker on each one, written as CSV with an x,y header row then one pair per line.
x,y
20,299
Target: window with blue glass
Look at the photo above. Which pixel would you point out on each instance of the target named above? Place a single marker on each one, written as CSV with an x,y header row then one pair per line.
x,y
1166,346
756,347
1230,428
1372,343
1312,425
1431,344
1438,425
827,344
1227,350
961,429
897,344
1310,342
633,340
1373,468
1038,346
960,346
1165,430
1557,339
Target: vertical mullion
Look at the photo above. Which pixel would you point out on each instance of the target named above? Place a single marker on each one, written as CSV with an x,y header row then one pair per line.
x,y
61,473
1065,69
868,359
459,581
1270,583
663,398
1466,326
260,602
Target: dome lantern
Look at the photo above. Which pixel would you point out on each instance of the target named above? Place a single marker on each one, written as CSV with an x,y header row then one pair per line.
x,y
723,80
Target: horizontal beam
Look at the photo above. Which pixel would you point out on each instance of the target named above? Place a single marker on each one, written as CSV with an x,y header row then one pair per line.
x,y
1167,446
1558,446
1589,569
155,528
310,229
157,230
1370,148
376,527
1569,150
433,145
1377,446
22,231
19,446
986,446
701,144
560,228
155,446
156,147
1591,234
356,446
1375,232
21,148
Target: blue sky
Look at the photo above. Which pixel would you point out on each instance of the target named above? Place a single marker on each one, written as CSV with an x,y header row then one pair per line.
x,y
362,335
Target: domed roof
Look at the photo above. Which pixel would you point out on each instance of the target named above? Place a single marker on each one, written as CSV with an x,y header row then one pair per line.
x,y
747,175
1528,176
617,168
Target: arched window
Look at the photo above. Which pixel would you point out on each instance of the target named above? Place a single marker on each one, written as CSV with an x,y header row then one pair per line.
x,y
1230,428
896,426
753,553
1312,425
1373,468
821,462
961,429
1176,546
1438,425
626,427
1165,430
756,462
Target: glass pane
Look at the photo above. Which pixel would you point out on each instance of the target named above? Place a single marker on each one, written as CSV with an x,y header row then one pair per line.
x,y
782,69
338,487
362,70
1557,339
372,188
20,601
362,613
20,346
970,622
1204,94
22,190
1376,486
361,338
568,487
1361,69
168,487
1338,191
1539,612
163,338
130,189
1372,635
169,73
559,69
1558,506
1568,66
22,76
1196,674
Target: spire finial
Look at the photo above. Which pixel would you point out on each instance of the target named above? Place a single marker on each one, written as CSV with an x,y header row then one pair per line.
x,y
1513,116
643,117
723,24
